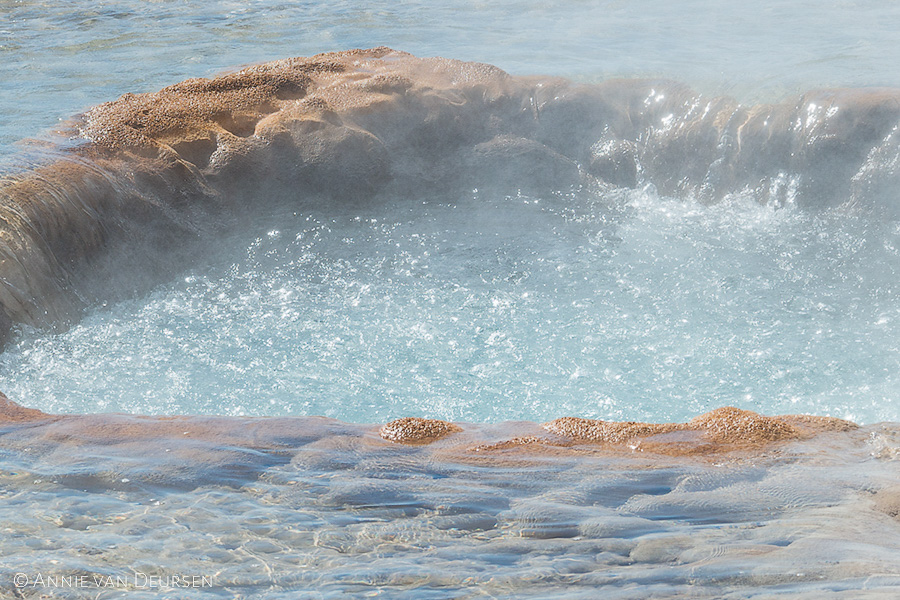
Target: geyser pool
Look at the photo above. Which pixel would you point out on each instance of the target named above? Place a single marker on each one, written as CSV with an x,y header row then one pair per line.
x,y
619,305
480,305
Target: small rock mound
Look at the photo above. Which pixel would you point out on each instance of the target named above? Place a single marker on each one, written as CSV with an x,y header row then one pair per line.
x,y
611,432
730,425
887,500
413,430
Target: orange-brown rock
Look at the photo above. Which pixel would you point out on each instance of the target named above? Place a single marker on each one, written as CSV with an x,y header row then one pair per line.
x,y
887,500
11,412
723,429
414,430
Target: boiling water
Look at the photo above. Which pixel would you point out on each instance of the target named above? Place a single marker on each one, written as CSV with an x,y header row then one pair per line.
x,y
489,308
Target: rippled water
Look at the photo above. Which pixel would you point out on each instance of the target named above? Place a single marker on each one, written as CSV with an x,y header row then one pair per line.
x,y
332,511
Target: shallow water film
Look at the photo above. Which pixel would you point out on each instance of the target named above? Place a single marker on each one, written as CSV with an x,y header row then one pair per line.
x,y
314,508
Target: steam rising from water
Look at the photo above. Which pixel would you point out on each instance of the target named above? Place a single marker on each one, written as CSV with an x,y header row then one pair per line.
x,y
624,305
619,305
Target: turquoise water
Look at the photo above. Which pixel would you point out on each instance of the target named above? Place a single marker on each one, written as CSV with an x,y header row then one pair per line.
x,y
500,307
485,308
627,305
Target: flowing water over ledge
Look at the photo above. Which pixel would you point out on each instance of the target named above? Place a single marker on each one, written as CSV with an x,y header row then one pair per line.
x,y
269,508
312,507
394,236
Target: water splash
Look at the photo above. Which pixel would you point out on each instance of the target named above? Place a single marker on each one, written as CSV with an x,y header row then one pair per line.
x,y
658,311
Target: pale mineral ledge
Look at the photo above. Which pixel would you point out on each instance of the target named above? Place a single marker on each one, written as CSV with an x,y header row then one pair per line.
x,y
722,433
728,505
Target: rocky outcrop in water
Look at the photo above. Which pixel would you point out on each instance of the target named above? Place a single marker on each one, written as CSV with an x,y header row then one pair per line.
x,y
146,176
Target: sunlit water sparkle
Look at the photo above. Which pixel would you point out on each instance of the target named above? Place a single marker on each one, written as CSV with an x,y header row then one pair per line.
x,y
623,306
